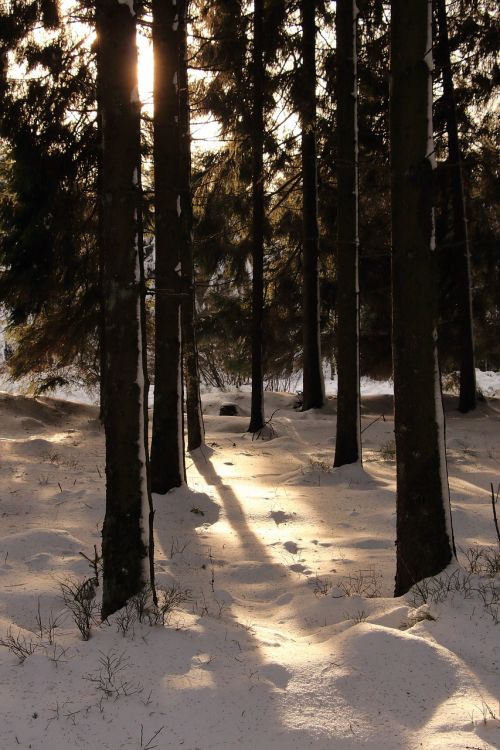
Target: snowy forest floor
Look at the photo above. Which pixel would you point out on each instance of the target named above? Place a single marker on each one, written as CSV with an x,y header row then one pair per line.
x,y
288,637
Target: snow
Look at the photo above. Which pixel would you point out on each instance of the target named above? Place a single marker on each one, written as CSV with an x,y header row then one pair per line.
x,y
281,644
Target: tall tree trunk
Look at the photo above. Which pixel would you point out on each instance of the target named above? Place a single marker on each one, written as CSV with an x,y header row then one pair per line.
x,y
194,418
167,446
467,399
125,535
102,320
348,441
313,385
257,400
424,531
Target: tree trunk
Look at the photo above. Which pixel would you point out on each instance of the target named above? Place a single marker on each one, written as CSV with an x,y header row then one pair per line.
x,y
467,399
348,441
313,385
424,531
257,401
125,535
167,446
194,418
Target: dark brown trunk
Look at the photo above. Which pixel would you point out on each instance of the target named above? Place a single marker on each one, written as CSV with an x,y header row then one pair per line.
x,y
313,386
257,401
102,322
424,532
194,418
125,529
467,399
348,440
167,446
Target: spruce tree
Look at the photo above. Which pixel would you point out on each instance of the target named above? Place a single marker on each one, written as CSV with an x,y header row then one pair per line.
x,y
127,523
167,444
313,385
257,141
463,294
194,416
348,439
424,532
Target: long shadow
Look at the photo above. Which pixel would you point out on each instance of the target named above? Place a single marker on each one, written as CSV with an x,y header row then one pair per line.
x,y
233,508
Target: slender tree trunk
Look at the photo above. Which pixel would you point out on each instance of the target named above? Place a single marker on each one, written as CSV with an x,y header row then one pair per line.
x,y
257,401
348,441
167,446
467,399
313,386
102,321
424,531
125,535
194,418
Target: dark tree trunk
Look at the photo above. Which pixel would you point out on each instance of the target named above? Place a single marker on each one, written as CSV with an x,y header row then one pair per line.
x,y
467,399
257,402
167,446
102,321
313,386
194,418
424,531
125,529
348,441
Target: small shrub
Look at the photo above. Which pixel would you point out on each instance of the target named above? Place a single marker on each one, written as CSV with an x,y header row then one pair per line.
x,y
110,679
155,614
18,645
363,583
79,598
388,450
482,561
318,464
322,586
450,383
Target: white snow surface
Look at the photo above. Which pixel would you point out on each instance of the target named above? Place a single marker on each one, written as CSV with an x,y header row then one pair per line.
x,y
281,644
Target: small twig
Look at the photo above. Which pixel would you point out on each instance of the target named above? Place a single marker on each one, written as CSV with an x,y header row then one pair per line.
x,y
382,417
148,745
268,423
212,568
494,499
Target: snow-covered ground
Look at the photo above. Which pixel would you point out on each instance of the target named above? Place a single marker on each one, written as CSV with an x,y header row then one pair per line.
x,y
288,637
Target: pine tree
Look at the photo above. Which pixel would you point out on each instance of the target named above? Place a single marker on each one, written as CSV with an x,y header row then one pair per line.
x,y
424,533
467,397
257,140
348,440
194,417
313,386
167,444
49,266
126,528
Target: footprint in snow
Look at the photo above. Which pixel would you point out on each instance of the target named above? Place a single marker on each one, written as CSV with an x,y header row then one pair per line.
x,y
275,673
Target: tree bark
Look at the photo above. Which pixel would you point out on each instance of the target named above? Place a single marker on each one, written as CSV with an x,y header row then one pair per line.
x,y
194,416
467,398
257,137
313,385
348,440
424,531
167,446
125,535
